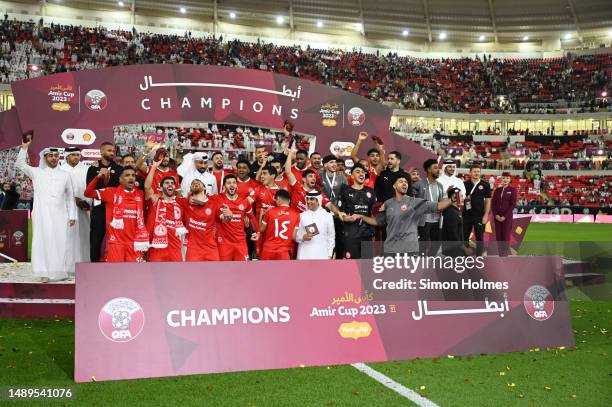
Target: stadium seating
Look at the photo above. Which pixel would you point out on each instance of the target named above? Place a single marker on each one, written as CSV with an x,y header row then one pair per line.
x,y
475,85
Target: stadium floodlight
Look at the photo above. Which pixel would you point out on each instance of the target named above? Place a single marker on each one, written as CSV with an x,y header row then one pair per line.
x,y
320,24
280,20
481,38
232,15
120,3
525,38
183,10
442,36
405,33
567,36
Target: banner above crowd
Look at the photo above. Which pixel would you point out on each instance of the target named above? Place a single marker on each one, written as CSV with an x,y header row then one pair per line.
x,y
80,108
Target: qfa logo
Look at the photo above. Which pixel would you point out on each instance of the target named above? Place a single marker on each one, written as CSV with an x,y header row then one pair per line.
x,y
356,116
96,100
539,303
121,319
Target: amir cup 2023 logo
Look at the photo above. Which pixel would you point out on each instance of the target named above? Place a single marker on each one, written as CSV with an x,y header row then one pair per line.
x,y
539,303
96,100
121,319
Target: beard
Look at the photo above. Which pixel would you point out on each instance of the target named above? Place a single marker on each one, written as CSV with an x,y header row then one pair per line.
x,y
202,170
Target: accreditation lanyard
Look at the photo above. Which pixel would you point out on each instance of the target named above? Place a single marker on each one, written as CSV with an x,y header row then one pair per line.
x,y
331,184
468,199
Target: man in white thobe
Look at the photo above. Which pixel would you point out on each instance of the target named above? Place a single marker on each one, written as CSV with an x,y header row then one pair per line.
x,y
195,166
53,213
449,179
77,245
315,242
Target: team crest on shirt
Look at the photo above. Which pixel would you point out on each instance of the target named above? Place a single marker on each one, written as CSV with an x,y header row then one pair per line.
x,y
207,211
160,230
480,187
404,207
369,195
177,212
241,207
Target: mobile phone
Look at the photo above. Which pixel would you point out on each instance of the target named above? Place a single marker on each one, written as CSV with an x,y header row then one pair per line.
x,y
288,125
159,153
377,140
27,136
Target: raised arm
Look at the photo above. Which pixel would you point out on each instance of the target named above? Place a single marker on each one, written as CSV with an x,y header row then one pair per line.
x,y
360,139
148,185
140,162
21,163
91,190
288,163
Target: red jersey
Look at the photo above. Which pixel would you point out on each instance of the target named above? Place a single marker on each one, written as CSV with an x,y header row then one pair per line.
x,y
174,242
127,235
160,174
299,174
283,183
298,198
264,197
200,220
232,231
281,222
247,188
220,176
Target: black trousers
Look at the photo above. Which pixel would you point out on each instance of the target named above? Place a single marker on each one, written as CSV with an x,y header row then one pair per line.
x,y
97,231
430,237
339,239
352,247
475,223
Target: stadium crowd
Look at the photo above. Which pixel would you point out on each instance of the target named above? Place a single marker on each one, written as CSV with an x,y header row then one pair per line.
x,y
483,84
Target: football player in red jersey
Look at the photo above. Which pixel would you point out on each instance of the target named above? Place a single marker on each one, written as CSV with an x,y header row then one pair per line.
x,y
219,170
126,231
279,226
165,218
246,185
299,190
231,214
264,197
200,212
376,158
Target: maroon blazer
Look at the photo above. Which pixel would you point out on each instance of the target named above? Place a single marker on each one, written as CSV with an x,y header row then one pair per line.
x,y
503,205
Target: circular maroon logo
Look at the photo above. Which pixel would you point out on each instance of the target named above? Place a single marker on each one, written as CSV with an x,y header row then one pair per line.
x,y
539,303
70,136
356,116
480,187
403,207
121,319
207,211
96,100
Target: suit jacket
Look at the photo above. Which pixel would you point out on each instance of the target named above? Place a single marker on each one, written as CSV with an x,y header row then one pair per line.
x,y
419,190
504,204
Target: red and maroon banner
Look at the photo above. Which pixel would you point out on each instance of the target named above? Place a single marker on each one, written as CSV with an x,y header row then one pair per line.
x,y
80,108
158,319
14,234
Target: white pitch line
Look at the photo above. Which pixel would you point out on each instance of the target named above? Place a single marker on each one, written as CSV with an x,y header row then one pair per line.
x,y
395,386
